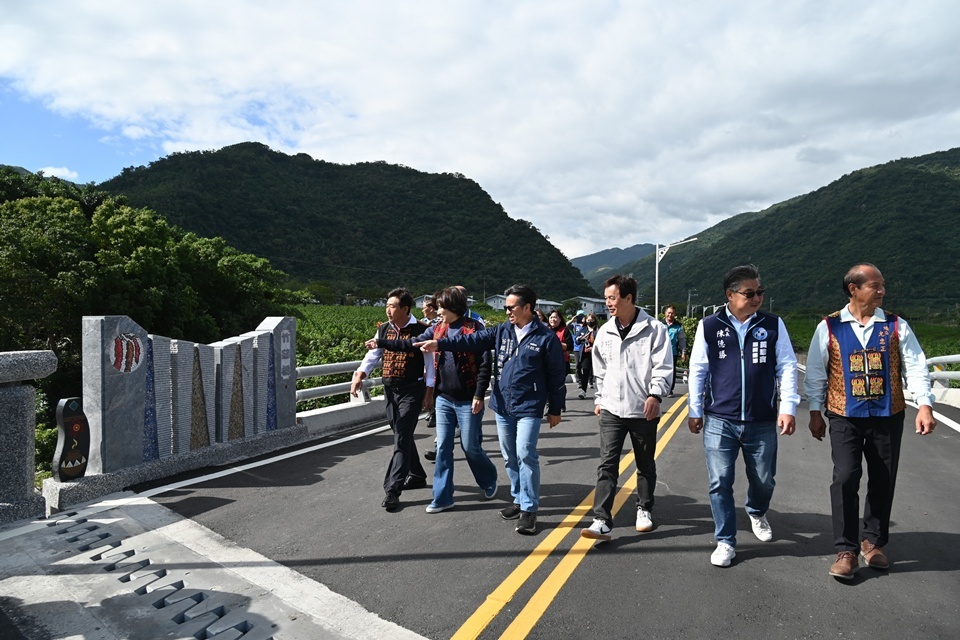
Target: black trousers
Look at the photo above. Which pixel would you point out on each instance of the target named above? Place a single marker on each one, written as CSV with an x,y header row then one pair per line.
x,y
852,440
673,382
584,369
403,411
643,436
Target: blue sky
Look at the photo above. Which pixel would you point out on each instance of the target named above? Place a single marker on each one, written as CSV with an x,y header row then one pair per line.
x,y
604,123
67,146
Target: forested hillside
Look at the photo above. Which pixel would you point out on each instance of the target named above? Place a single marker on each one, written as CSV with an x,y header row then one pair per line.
x,y
68,252
903,216
358,229
604,263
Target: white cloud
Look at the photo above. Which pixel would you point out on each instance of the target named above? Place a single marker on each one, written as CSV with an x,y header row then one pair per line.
x,y
60,172
603,123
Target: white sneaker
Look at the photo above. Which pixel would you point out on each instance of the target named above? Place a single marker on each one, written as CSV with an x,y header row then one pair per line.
x,y
722,555
433,507
597,531
644,520
761,528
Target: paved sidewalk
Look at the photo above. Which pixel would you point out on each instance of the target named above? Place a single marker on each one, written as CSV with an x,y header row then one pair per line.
x,y
128,568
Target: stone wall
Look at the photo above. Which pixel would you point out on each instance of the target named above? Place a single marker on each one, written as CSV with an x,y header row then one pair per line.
x,y
18,425
161,405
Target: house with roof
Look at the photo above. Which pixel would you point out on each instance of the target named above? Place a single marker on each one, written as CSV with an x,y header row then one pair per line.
x,y
496,302
596,306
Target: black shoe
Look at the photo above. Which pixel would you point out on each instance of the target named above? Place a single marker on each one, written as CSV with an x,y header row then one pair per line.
x,y
430,454
391,501
527,524
413,482
510,513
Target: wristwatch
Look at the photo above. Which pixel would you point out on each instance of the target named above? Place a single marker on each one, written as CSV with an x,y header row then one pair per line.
x,y
657,398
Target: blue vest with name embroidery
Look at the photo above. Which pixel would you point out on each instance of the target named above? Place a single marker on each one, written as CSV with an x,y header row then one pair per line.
x,y
742,381
864,382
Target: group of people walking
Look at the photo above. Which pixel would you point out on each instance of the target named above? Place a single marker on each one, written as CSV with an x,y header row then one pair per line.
x,y
743,395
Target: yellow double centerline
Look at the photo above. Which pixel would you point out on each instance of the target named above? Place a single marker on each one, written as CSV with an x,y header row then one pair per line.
x,y
521,626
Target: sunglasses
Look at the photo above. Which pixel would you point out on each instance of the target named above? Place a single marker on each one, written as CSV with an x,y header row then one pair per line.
x,y
510,307
750,294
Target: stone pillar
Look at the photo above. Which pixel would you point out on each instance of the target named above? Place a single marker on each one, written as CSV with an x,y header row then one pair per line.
x,y
18,425
115,366
262,355
282,376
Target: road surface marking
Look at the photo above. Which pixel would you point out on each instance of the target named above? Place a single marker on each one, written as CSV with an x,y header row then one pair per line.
x,y
494,603
523,624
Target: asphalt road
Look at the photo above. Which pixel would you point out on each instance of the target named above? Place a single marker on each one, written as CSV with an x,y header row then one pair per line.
x,y
466,573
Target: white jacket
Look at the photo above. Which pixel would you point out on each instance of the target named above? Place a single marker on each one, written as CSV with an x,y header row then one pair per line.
x,y
629,370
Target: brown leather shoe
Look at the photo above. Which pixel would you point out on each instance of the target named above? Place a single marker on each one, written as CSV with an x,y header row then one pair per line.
x,y
845,566
874,555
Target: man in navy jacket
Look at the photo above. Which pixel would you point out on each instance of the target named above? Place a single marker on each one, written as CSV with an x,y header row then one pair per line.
x,y
742,360
529,376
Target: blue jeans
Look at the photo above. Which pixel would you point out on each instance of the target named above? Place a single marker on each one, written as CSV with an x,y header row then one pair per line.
x,y
450,414
518,444
723,440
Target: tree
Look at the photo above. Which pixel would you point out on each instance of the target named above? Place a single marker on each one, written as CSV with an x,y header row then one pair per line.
x,y
61,262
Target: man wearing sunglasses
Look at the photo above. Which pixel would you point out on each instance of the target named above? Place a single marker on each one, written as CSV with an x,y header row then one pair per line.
x,y
529,375
741,360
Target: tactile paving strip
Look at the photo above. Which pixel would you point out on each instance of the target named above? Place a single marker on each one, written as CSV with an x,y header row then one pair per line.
x,y
128,581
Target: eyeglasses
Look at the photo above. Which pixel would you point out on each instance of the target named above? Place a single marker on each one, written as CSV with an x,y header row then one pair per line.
x,y
749,294
511,307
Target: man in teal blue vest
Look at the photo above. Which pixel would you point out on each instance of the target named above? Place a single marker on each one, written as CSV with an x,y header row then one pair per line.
x,y
678,340
855,365
741,360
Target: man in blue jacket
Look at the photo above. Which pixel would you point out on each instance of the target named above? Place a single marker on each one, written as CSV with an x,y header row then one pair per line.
x,y
529,375
741,360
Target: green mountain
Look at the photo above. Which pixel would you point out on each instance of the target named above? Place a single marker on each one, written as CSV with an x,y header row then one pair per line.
x,y
902,216
608,261
18,170
362,228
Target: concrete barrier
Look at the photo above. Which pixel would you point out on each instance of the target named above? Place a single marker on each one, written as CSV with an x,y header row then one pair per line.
x,y
18,426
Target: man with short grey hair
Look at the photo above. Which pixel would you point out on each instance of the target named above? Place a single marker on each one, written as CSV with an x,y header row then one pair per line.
x,y
857,359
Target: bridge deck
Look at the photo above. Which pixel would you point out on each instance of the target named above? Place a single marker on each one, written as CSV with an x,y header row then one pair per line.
x,y
466,573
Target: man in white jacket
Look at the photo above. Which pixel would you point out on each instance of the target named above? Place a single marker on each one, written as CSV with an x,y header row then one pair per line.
x,y
633,368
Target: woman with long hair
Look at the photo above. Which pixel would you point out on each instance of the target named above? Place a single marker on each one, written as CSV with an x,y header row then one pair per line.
x,y
559,326
586,339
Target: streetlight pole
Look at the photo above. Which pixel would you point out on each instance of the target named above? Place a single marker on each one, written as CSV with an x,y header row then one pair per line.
x,y
661,251
689,291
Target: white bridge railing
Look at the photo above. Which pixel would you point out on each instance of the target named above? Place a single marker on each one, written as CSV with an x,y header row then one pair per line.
x,y
332,389
938,375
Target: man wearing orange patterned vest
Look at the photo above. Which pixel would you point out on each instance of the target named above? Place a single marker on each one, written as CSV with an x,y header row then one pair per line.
x,y
855,365
408,383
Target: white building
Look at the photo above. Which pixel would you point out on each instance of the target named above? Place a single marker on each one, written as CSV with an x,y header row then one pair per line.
x,y
548,305
496,302
596,306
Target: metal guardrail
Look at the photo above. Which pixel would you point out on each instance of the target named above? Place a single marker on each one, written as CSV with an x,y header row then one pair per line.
x,y
349,367
331,389
940,374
